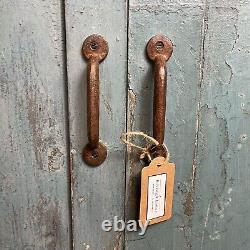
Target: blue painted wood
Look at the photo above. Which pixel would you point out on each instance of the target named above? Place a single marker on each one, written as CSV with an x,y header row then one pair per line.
x,y
97,193
207,121
182,23
207,129
33,155
221,204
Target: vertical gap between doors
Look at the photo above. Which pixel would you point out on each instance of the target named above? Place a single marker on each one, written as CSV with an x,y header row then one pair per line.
x,y
67,123
126,119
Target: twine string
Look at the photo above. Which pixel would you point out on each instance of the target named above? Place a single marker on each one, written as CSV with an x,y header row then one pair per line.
x,y
145,150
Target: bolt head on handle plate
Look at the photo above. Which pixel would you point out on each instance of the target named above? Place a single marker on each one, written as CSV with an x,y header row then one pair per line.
x,y
94,156
159,45
96,47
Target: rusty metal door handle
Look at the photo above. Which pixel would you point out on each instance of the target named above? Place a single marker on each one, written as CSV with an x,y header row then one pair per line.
x,y
94,49
159,50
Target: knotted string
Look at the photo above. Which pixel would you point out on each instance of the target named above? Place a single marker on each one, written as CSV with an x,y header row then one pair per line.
x,y
145,150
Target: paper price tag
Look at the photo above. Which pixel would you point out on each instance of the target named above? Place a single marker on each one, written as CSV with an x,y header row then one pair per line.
x,y
156,196
157,185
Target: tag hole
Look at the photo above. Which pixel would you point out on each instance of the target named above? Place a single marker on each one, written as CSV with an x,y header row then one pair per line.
x,y
159,45
94,46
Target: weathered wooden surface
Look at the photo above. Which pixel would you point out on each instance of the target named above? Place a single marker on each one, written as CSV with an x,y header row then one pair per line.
x,y
208,120
221,205
207,129
33,156
182,22
97,193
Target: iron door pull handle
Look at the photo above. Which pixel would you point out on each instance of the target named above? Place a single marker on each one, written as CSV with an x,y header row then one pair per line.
x,y
159,50
94,49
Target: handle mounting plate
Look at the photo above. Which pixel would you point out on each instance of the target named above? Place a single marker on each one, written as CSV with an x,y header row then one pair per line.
x,y
95,47
159,45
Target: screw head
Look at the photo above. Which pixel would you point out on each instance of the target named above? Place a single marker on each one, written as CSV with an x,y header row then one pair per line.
x,y
94,157
96,47
159,45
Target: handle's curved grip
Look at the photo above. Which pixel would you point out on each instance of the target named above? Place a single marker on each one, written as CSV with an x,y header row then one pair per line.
x,y
159,50
94,49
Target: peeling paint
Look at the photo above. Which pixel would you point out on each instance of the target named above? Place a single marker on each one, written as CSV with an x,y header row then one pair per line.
x,y
118,241
86,246
82,199
215,236
34,208
53,159
188,204
108,108
45,218
131,109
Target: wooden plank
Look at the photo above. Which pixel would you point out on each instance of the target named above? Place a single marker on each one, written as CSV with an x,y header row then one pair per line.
x,y
33,156
221,219
182,22
97,193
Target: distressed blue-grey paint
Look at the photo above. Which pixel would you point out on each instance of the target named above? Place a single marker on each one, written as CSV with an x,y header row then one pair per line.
x,y
33,156
98,193
182,23
207,129
208,120
221,206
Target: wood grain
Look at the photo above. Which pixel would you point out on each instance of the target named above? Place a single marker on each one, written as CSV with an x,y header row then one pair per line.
x,y
181,21
212,164
97,193
33,156
220,219
207,123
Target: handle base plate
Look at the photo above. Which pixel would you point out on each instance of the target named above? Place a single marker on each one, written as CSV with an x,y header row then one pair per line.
x,y
94,156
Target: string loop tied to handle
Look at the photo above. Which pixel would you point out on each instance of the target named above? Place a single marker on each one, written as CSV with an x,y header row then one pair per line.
x,y
125,138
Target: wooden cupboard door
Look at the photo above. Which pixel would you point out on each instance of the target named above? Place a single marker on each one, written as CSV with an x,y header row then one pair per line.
x,y
34,190
182,23
207,129
49,198
98,193
220,217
